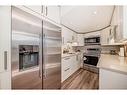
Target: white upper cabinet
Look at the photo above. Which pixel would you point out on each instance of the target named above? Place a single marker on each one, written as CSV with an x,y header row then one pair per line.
x,y
65,35
74,36
5,47
119,22
123,20
5,38
68,36
37,8
80,39
53,12
105,36
115,17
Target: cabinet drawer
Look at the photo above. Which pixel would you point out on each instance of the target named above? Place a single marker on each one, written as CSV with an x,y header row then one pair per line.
x,y
66,62
66,68
65,73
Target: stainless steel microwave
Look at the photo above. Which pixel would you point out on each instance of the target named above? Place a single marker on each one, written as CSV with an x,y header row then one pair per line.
x,y
92,40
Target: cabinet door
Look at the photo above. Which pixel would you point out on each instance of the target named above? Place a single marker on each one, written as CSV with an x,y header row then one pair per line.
x,y
118,23
5,80
80,39
5,38
123,22
115,17
65,68
74,36
37,8
112,80
73,64
119,19
53,12
80,60
66,35
105,36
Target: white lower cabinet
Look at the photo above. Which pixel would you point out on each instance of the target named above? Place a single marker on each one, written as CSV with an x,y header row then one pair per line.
x,y
65,68
70,65
112,80
5,80
73,64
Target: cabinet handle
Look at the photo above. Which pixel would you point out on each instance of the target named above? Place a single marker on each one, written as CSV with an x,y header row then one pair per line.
x,y
66,58
72,38
67,69
63,40
46,11
5,60
77,57
107,40
42,9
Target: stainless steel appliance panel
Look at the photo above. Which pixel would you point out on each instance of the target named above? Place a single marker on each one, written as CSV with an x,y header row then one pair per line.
x,y
92,40
52,57
25,33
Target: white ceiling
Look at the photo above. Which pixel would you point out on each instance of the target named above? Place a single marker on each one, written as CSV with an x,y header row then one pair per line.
x,y
86,18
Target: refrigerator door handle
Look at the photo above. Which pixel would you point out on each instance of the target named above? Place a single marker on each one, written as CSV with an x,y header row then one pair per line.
x,y
44,74
40,73
44,50
40,62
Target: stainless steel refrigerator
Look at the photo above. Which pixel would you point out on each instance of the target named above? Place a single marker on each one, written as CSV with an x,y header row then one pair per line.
x,y
36,52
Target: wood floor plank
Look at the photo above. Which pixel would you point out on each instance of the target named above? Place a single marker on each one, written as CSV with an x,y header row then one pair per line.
x,y
82,79
28,80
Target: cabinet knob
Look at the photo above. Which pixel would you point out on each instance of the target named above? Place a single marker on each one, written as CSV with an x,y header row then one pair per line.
x,y
66,58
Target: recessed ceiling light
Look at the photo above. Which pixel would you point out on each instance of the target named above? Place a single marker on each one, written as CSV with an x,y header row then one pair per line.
x,y
95,12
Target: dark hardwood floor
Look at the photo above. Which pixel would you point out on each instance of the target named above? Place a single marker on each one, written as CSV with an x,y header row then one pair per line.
x,y
28,80
82,79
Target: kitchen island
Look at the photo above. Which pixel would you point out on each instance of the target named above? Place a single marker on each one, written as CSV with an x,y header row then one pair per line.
x,y
112,72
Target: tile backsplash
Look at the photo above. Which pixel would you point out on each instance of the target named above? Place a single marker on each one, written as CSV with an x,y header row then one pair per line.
x,y
104,49
107,49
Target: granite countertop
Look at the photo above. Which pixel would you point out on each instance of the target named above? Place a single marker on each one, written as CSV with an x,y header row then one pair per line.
x,y
113,62
69,55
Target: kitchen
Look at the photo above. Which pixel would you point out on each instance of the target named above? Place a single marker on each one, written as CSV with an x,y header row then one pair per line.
x,y
63,47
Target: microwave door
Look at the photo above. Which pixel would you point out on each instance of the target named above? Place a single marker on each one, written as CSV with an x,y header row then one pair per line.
x,y
92,41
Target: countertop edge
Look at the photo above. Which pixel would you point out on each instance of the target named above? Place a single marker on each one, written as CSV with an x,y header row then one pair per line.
x,y
101,66
113,70
69,55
